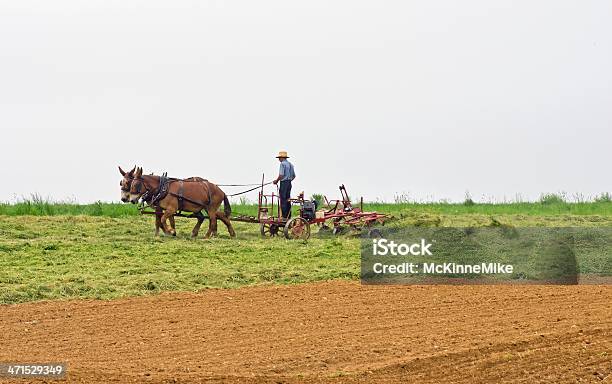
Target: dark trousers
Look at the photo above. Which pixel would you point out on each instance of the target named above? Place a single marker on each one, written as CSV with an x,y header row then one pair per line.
x,y
285,195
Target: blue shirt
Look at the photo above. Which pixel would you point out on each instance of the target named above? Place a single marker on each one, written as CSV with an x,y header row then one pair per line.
x,y
286,171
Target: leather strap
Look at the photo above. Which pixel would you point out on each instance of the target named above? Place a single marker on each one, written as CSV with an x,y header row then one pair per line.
x,y
180,196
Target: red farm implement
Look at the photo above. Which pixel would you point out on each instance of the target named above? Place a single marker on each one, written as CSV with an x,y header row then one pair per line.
x,y
336,216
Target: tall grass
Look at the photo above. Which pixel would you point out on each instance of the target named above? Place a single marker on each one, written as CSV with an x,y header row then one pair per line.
x,y
38,206
548,206
558,208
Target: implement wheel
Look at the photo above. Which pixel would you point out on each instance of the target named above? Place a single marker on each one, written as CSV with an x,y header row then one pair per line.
x,y
297,229
268,230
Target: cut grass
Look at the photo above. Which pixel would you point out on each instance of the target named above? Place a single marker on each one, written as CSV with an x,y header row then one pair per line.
x,y
87,257
62,257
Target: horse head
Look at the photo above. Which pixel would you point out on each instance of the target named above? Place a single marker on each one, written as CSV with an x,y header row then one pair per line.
x,y
126,183
138,187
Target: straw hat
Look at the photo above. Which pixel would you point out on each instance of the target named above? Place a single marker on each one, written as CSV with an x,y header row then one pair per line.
x,y
282,154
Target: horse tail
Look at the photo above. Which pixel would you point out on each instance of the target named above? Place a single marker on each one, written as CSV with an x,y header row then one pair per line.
x,y
227,208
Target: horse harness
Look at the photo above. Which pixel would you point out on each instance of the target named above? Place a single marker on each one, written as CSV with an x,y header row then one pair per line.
x,y
154,197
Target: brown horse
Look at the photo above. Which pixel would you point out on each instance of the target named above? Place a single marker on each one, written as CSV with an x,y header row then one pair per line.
x,y
126,184
190,195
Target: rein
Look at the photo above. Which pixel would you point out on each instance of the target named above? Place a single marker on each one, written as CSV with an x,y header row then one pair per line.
x,y
249,190
237,185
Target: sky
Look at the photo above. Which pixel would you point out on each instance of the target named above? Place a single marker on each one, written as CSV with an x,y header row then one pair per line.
x,y
423,99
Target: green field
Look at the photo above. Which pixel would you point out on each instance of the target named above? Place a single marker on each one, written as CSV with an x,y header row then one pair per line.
x,y
62,251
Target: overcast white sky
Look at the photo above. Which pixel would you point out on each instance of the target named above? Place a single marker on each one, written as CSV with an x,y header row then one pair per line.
x,y
430,98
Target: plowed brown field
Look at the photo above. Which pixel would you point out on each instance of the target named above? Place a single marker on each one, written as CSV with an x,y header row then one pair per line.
x,y
324,332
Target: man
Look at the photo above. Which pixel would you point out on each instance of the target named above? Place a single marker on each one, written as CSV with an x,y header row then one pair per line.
x,y
286,175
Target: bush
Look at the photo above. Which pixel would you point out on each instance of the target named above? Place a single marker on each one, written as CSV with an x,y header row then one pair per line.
x,y
403,198
97,209
551,198
605,197
318,198
468,202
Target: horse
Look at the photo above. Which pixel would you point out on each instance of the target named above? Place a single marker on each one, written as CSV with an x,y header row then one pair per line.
x,y
126,184
189,195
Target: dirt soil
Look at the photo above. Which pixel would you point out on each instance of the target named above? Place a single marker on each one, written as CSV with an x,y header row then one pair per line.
x,y
332,332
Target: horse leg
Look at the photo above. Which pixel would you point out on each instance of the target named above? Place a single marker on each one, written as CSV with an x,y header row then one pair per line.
x,y
212,224
172,224
158,215
227,223
158,221
196,229
168,230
